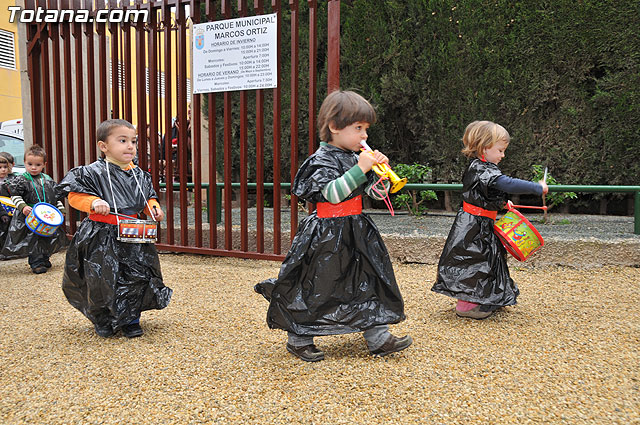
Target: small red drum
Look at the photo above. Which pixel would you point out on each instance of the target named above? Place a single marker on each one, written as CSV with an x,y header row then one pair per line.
x,y
44,219
518,235
137,231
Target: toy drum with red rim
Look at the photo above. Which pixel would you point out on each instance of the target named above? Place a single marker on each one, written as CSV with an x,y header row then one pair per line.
x,y
44,219
7,205
137,231
518,235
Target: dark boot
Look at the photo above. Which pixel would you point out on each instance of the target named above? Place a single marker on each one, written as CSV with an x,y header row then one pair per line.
x,y
308,353
132,330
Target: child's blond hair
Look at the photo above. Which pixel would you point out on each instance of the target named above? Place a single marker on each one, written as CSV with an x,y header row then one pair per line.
x,y
481,135
343,108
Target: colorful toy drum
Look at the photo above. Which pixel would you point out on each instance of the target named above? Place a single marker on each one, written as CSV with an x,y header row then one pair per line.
x,y
44,219
137,231
518,235
7,205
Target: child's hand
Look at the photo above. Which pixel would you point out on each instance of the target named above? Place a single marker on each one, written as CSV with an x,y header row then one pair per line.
x,y
158,214
26,210
366,160
5,219
545,188
380,157
100,206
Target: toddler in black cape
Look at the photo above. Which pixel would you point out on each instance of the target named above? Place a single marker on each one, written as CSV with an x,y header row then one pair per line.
x,y
473,265
27,190
111,282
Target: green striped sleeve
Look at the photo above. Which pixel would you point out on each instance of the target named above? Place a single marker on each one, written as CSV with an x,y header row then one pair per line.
x,y
337,190
373,194
18,202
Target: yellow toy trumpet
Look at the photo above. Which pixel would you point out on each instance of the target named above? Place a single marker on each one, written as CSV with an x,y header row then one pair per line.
x,y
384,171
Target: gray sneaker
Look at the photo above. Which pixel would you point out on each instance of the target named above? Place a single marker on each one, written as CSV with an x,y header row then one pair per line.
x,y
393,344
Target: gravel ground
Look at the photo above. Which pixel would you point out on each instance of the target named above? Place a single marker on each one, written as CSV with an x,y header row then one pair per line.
x,y
585,241
567,354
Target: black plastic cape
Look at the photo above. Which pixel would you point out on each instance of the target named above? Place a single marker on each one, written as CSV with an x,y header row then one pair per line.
x,y
20,240
4,227
110,281
337,277
473,264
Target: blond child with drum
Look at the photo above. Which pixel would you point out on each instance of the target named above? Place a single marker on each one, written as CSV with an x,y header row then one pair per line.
x,y
108,277
32,189
473,265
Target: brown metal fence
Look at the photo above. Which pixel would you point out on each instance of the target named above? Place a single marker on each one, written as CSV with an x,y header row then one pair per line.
x,y
71,66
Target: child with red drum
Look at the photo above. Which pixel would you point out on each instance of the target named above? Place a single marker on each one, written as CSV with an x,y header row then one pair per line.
x,y
473,265
109,281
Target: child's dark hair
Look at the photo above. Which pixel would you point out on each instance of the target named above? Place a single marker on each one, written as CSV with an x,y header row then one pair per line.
x,y
4,160
481,135
343,108
8,157
36,150
106,127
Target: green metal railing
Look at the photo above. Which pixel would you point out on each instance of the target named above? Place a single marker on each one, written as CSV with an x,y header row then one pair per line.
x,y
558,188
455,188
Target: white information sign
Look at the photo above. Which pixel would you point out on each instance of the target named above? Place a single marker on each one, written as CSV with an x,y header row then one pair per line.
x,y
235,54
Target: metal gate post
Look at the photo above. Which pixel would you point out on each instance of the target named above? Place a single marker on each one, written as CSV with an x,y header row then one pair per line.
x,y
333,35
636,214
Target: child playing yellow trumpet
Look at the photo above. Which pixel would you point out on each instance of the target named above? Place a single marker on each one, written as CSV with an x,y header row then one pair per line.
x,y
337,277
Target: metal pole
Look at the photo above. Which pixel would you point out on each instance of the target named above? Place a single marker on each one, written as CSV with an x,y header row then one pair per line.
x,y
333,53
636,213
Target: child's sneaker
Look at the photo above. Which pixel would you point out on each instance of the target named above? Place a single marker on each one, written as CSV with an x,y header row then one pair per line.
x,y
103,331
474,313
308,353
132,330
393,344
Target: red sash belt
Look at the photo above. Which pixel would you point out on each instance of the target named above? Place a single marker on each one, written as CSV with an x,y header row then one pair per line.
x,y
472,209
351,207
109,219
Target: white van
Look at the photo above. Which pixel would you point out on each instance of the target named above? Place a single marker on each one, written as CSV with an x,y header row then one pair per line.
x,y
13,126
14,144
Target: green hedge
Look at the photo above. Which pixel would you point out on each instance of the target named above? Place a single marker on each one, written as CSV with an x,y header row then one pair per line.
x,y
562,76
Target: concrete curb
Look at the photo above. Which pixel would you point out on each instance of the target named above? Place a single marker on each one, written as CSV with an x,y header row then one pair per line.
x,y
555,252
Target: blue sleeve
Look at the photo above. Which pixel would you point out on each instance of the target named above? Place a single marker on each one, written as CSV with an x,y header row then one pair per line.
x,y
517,186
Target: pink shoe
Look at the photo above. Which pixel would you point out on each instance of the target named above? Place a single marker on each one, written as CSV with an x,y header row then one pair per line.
x,y
471,310
463,306
474,313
